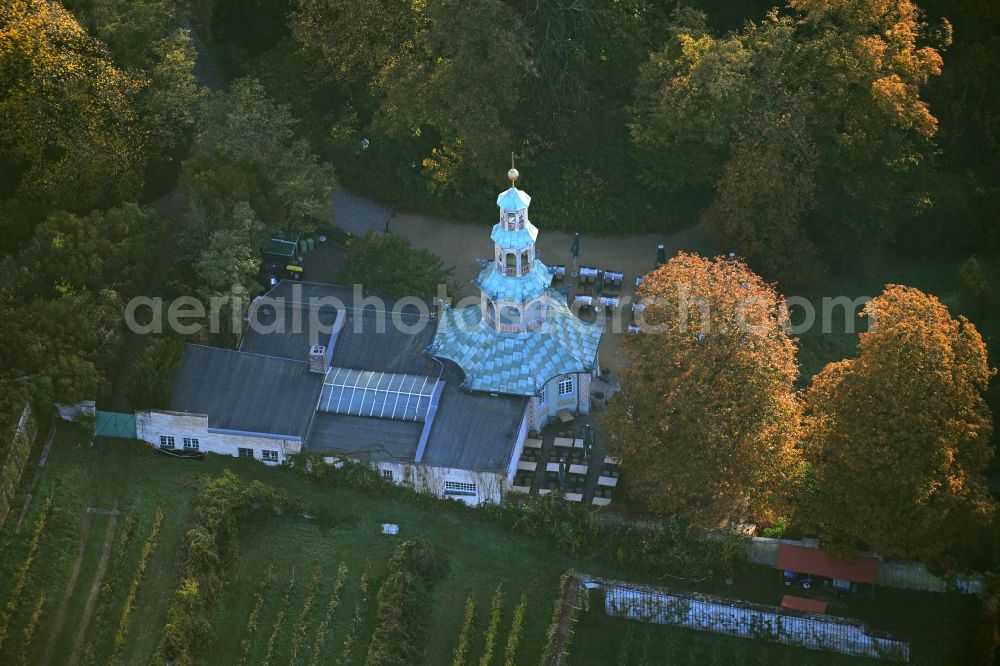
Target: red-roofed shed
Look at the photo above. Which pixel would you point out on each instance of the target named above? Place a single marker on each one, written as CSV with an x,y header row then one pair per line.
x,y
820,563
803,604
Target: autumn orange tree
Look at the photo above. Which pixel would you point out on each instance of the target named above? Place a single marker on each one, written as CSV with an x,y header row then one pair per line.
x,y
898,438
707,419
809,124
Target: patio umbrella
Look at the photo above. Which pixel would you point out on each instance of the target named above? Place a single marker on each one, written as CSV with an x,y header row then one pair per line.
x,y
563,471
574,250
588,441
661,255
599,282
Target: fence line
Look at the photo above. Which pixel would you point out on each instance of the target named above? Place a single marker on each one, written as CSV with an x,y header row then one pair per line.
x,y
17,459
747,620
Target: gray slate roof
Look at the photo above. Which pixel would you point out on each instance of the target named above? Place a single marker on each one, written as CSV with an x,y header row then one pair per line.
x,y
382,440
246,392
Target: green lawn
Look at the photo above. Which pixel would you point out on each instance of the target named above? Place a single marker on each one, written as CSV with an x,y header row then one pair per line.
x,y
476,556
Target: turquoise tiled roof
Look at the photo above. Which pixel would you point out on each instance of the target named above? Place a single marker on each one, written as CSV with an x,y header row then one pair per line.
x,y
513,200
514,240
516,363
515,288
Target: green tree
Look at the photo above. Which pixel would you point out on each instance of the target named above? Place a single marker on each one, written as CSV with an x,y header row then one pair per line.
x,y
387,264
105,249
245,149
898,438
230,257
168,102
707,419
68,120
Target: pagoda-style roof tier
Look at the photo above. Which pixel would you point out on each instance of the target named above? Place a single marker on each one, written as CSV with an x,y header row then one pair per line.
x,y
516,363
514,240
513,200
514,288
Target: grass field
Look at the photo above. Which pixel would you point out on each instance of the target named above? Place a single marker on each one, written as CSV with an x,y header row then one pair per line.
x,y
302,557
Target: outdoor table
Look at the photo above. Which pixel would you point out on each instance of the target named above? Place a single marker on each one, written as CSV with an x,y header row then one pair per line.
x,y
632,328
558,271
608,481
638,307
577,443
638,280
601,501
614,277
527,465
609,302
581,298
574,497
611,460
532,443
544,491
552,467
587,274
520,489
564,442
578,469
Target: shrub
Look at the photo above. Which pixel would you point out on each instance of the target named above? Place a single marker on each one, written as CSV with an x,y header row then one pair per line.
x,y
398,636
516,630
251,627
463,636
496,611
299,633
221,503
31,627
286,599
22,572
331,608
133,589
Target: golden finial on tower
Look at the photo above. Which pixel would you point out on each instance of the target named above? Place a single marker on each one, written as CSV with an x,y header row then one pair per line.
x,y
513,173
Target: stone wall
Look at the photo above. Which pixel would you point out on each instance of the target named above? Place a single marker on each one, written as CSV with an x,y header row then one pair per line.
x,y
736,618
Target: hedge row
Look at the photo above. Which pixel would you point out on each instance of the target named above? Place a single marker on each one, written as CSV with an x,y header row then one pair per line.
x,y
209,547
399,633
254,617
667,548
331,608
22,572
516,631
133,589
462,648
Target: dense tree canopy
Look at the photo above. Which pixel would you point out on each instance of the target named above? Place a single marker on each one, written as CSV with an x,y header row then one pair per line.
x,y
898,438
707,419
68,119
388,265
245,149
808,125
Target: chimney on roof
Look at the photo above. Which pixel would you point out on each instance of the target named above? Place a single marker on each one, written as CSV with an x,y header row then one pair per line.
x,y
317,359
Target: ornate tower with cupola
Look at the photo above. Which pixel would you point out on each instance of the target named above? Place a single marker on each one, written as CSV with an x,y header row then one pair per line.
x,y
521,339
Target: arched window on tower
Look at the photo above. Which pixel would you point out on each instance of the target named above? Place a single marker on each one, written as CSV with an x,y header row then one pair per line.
x,y
511,263
525,264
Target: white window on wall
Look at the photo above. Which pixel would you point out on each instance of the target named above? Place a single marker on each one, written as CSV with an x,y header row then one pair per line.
x,y
387,474
191,443
566,385
459,488
269,456
166,442
245,453
542,399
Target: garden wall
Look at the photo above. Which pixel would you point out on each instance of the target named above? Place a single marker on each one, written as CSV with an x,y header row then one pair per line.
x,y
17,458
737,618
